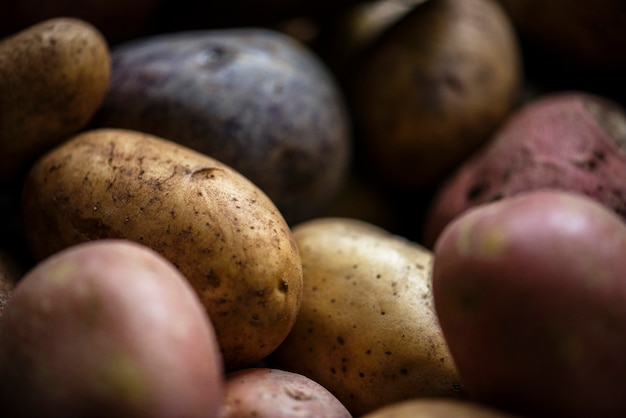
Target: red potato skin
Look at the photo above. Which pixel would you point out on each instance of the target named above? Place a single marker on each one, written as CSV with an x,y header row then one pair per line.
x,y
273,393
107,329
530,292
553,142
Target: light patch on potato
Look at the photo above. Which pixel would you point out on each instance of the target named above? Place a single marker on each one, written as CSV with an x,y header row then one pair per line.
x,y
121,377
490,243
62,273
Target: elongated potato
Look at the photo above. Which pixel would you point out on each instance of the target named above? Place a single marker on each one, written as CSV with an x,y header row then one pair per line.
x,y
367,329
218,228
531,298
108,329
53,77
431,89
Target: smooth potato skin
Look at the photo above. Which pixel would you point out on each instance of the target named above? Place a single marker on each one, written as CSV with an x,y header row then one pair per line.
x,y
433,87
571,141
273,393
220,230
53,77
107,329
366,329
437,408
530,295
255,99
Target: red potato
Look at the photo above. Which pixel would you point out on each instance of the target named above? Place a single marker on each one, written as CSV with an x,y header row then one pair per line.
x,y
530,292
570,141
107,329
273,393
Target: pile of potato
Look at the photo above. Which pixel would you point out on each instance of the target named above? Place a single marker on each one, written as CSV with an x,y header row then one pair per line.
x,y
383,208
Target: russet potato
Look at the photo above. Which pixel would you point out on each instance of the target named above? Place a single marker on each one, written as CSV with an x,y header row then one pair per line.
x,y
219,229
431,88
53,77
367,329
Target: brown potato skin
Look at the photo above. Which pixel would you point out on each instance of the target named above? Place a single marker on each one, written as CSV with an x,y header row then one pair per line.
x,y
53,77
367,329
220,230
273,393
11,270
105,329
530,295
433,87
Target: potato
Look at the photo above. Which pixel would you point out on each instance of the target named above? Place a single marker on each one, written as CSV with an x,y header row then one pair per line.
x,y
570,141
53,77
433,87
263,392
367,329
531,298
221,231
254,99
437,408
107,329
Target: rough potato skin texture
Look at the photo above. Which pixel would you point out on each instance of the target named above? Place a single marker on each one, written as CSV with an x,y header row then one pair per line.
x,y
437,408
10,273
108,329
254,99
570,141
263,392
53,77
531,298
432,89
367,329
220,230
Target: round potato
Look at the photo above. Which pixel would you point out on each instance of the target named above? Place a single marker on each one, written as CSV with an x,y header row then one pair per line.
x,y
254,99
367,330
432,88
53,77
272,393
222,232
437,408
108,329
531,298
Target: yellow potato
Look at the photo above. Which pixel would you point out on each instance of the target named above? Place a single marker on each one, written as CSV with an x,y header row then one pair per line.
x,y
218,228
53,77
367,329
